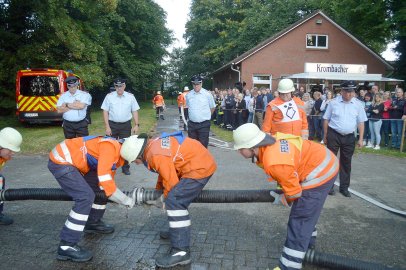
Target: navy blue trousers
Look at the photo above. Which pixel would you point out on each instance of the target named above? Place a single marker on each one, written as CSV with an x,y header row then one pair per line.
x,y
302,231
199,131
177,203
2,186
82,190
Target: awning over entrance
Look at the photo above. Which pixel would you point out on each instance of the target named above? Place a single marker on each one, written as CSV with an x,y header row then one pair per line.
x,y
343,77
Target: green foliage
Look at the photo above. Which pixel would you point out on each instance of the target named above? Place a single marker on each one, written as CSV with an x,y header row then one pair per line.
x,y
220,30
97,39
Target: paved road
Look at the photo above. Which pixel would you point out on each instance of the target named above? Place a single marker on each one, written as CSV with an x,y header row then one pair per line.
x,y
224,236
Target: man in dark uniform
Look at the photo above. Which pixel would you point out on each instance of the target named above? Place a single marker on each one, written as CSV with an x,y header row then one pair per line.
x,y
118,109
73,104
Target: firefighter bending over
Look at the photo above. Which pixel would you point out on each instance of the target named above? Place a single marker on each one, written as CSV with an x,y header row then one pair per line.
x,y
184,166
83,166
306,171
10,141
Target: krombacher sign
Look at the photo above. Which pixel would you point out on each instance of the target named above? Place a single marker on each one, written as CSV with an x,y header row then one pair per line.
x,y
335,68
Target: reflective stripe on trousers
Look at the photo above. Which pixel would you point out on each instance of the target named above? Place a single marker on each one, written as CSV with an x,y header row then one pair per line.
x,y
177,203
82,190
303,218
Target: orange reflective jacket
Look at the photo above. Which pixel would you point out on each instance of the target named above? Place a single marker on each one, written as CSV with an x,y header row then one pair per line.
x,y
286,117
297,164
173,161
2,162
158,101
181,100
106,151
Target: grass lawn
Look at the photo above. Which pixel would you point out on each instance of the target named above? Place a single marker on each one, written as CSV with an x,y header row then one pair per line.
x,y
227,136
40,139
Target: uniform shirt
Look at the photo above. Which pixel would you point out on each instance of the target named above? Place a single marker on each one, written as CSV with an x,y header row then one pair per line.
x,y
120,108
75,115
344,116
173,161
297,164
105,150
200,105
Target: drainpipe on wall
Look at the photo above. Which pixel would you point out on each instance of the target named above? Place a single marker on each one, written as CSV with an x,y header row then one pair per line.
x,y
236,70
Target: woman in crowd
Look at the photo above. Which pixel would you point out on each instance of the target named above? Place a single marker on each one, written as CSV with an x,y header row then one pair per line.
x,y
375,122
367,107
387,101
241,110
323,107
308,106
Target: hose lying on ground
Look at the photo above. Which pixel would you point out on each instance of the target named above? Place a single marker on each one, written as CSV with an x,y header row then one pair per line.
x,y
206,196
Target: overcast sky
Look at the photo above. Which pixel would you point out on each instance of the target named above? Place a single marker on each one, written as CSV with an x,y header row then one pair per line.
x,y
178,13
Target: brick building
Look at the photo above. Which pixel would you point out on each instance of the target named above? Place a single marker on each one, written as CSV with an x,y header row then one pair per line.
x,y
314,49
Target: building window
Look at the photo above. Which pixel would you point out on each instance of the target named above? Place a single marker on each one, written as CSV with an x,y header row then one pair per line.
x,y
316,41
261,80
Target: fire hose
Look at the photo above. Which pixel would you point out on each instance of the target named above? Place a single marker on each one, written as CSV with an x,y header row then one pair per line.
x,y
206,196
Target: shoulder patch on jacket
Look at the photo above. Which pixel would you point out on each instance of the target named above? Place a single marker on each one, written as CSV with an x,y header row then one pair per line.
x,y
166,143
284,146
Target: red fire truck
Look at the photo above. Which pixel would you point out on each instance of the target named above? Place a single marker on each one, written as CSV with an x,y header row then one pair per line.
x,y
37,91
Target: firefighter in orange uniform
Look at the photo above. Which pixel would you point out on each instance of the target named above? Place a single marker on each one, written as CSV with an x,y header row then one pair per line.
x,y
286,113
185,107
184,166
83,166
306,171
180,100
10,142
159,105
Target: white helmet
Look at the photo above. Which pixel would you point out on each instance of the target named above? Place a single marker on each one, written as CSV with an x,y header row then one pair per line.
x,y
247,136
186,88
132,147
286,86
10,139
158,92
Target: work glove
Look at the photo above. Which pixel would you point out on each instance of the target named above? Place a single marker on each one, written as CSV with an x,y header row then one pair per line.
x,y
280,199
119,197
160,202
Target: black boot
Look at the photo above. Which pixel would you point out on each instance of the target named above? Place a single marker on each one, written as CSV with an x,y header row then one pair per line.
x,y
5,220
164,234
98,226
71,251
175,257
331,192
126,170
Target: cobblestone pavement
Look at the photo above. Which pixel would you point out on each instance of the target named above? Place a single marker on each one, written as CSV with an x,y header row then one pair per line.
x,y
224,236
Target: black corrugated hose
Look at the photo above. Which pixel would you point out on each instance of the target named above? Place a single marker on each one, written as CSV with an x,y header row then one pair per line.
x,y
337,262
206,196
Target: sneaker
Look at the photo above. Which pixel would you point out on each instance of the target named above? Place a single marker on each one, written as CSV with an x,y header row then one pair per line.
x,y
175,257
5,220
377,147
164,234
71,251
364,142
369,145
98,226
322,142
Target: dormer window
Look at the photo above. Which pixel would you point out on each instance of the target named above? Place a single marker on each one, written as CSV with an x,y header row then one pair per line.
x,y
315,41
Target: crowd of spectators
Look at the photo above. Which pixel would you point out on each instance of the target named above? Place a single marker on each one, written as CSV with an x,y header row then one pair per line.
x,y
385,110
